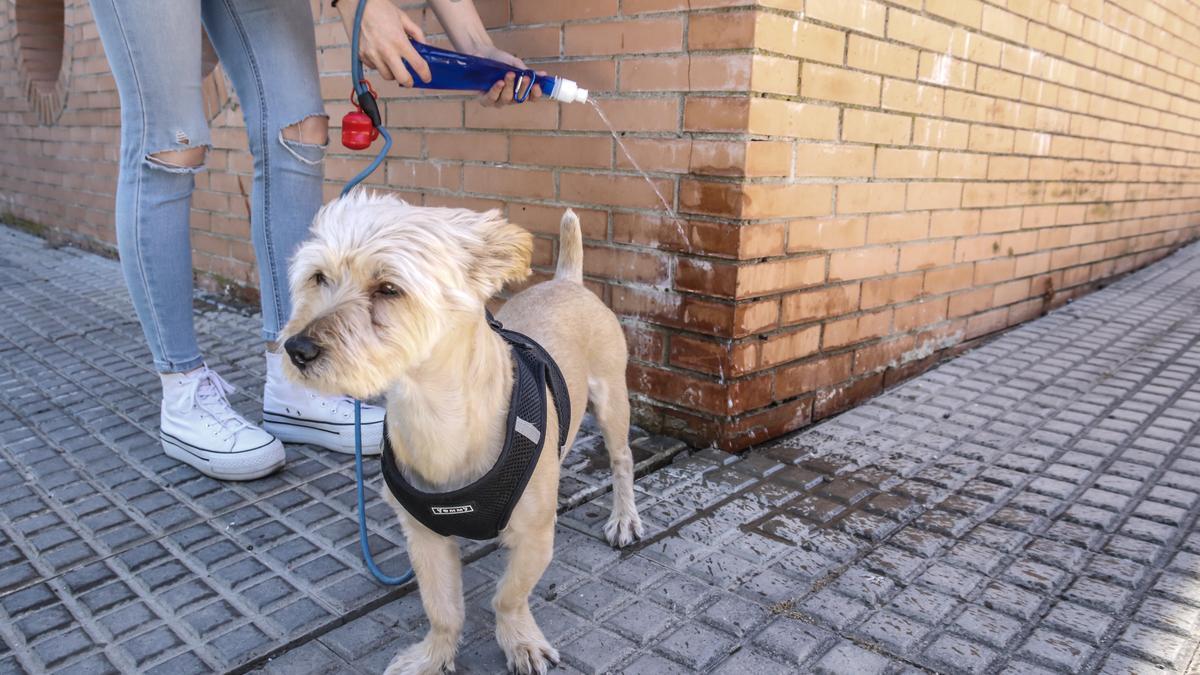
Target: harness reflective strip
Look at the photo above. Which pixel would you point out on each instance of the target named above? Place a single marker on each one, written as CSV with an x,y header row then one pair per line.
x,y
528,430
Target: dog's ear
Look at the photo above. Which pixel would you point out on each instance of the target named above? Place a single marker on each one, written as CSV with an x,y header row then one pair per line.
x,y
503,254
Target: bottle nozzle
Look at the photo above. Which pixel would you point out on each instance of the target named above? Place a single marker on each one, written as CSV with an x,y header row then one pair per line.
x,y
568,91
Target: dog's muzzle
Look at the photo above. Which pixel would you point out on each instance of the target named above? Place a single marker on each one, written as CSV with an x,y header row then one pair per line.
x,y
302,350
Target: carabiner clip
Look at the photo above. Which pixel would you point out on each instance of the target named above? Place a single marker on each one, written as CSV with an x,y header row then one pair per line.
x,y
518,95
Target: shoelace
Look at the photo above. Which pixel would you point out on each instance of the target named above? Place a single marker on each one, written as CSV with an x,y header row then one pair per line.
x,y
342,405
207,391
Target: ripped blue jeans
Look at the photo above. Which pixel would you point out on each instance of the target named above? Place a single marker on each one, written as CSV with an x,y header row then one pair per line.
x,y
267,48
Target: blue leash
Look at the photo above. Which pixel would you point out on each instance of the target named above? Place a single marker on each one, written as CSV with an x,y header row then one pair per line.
x,y
361,90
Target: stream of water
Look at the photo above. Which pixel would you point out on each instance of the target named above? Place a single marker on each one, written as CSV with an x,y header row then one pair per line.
x,y
675,219
684,239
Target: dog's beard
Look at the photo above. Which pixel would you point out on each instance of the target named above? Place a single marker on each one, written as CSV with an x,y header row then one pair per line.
x,y
365,350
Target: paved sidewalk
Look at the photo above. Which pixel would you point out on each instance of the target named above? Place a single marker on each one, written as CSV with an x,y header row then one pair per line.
x,y
1028,507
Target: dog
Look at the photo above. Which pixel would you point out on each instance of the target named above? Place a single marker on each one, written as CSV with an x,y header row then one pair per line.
x,y
389,300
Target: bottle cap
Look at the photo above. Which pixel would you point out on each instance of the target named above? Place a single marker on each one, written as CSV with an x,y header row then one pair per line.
x,y
568,92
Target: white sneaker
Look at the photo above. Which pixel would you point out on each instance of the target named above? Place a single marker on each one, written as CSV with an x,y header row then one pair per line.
x,y
200,428
297,414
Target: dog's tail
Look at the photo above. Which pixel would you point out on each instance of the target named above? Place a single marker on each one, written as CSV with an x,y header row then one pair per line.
x,y
570,249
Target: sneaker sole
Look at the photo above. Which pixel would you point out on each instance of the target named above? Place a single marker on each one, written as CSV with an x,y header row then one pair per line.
x,y
336,437
247,465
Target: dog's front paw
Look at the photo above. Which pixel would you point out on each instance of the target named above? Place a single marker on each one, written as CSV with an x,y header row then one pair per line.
x,y
530,656
622,529
423,658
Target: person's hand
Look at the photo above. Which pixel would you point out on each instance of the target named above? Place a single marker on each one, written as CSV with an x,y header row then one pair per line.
x,y
385,42
502,91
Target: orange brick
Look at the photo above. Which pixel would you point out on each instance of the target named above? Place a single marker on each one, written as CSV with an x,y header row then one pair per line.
x,y
917,30
890,291
833,161
990,139
640,36
942,195
862,263
838,84
656,154
948,279
920,314
725,30
904,163
911,97
810,376
940,134
897,227
820,303
946,71
870,197
773,117
863,126
763,200
801,39
925,255
624,114
534,11
484,147
822,234
507,117
510,182
791,346
962,165
768,158
856,329
716,114
881,57
1004,24
552,151
996,82
965,12
628,191
769,74
865,16
784,275
658,73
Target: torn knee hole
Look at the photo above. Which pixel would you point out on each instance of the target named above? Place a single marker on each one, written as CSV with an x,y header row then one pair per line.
x,y
180,160
306,139
312,130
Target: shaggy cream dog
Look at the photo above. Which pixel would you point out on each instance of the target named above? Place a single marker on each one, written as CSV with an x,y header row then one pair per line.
x,y
389,300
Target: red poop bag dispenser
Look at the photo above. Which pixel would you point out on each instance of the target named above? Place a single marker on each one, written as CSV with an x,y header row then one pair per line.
x,y
358,133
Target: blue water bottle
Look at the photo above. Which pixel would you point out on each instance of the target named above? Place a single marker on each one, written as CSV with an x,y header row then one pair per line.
x,y
451,70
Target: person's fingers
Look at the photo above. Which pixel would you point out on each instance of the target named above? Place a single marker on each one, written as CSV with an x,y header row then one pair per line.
x,y
506,94
412,29
395,66
381,65
491,97
415,60
537,91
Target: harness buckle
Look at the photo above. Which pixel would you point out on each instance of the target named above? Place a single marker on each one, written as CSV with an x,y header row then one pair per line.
x,y
492,321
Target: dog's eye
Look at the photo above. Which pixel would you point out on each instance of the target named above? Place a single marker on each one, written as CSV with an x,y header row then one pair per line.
x,y
387,290
319,279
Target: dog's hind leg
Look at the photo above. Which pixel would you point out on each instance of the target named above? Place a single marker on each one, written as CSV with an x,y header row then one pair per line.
x,y
530,549
435,559
610,397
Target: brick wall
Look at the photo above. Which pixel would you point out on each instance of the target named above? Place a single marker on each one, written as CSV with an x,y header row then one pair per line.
x,y
864,186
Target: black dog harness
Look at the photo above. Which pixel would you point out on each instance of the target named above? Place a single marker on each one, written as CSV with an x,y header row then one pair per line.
x,y
480,510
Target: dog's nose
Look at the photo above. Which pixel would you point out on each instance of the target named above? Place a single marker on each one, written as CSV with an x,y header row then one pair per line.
x,y
302,349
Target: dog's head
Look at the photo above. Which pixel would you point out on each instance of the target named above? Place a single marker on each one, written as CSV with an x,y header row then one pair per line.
x,y
380,283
